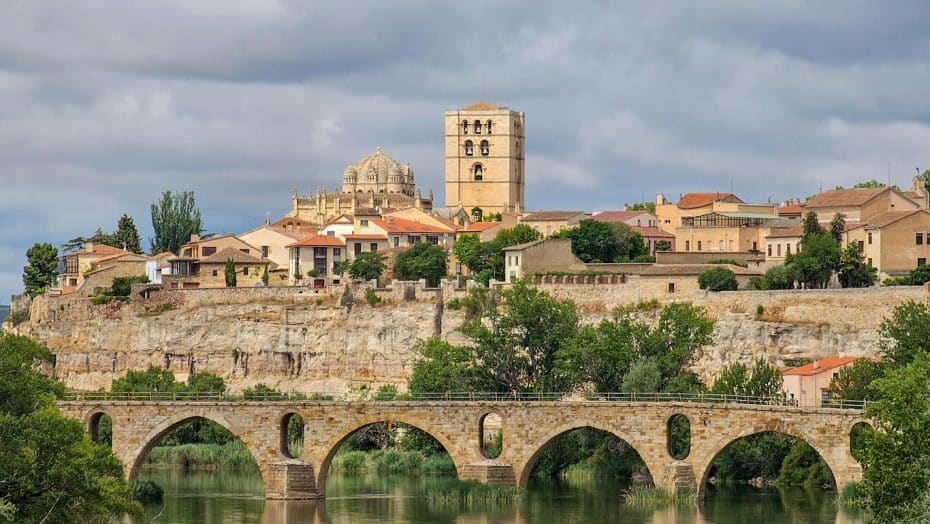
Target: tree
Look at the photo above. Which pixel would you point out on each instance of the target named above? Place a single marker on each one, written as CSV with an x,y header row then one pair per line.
x,y
854,382
230,273
126,235
854,272
367,265
718,279
630,244
42,269
153,379
642,206
895,460
762,380
818,259
422,261
838,227
594,241
644,377
919,275
52,472
870,184
472,253
663,245
445,368
174,218
776,277
906,334
811,224
265,276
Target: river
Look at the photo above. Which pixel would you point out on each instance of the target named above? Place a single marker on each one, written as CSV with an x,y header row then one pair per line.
x,y
232,497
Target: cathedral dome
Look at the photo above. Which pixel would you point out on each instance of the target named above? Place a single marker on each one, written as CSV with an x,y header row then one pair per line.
x,y
377,163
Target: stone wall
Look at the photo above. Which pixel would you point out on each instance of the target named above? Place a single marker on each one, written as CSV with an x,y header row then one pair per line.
x,y
296,338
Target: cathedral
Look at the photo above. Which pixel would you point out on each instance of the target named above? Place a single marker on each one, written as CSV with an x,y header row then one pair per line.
x,y
484,173
376,183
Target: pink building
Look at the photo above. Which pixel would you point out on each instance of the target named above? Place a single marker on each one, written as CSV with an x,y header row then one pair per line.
x,y
809,384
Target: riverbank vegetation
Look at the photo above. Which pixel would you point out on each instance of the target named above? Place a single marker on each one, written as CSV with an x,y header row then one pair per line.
x,y
470,494
641,496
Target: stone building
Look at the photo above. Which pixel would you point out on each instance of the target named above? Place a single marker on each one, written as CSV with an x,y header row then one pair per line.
x,y
377,181
485,159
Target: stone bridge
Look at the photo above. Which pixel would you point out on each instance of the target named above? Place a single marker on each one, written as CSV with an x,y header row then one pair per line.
x,y
528,428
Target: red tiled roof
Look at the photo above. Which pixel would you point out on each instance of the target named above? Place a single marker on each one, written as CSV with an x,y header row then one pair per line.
x,y
478,227
617,216
319,241
889,217
820,366
652,232
694,200
787,232
481,106
845,197
790,210
238,257
364,237
400,225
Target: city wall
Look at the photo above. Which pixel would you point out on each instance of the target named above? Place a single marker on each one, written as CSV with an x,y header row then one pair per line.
x,y
294,338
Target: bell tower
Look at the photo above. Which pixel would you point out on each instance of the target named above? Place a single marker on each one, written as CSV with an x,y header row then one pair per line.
x,y
484,159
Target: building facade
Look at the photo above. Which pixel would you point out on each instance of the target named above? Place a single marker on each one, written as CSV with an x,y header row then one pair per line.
x,y
485,159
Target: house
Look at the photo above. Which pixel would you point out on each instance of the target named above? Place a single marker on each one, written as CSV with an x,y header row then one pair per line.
x,y
296,224
653,235
486,231
272,242
790,209
781,242
431,218
859,204
102,272
73,266
157,265
402,233
549,223
540,256
210,271
714,222
630,218
809,385
202,247
318,260
894,242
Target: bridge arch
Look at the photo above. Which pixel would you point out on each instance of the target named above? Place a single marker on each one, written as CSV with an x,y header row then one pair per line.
x,y
136,456
834,456
93,422
338,438
524,466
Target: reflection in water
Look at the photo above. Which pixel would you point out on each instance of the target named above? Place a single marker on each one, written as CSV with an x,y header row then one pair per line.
x,y
236,497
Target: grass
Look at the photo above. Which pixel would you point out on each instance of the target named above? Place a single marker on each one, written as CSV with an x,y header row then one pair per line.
x,y
469,494
394,461
850,496
230,455
642,496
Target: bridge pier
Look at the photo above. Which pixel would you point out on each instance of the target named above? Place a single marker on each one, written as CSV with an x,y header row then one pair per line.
x,y
290,479
676,475
489,472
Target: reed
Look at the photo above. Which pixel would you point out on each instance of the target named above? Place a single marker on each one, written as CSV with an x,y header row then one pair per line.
x,y
469,494
643,496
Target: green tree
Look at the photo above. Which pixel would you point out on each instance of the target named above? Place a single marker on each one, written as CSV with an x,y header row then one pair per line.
x,y
174,218
422,261
265,276
854,382
854,272
919,275
762,380
811,224
818,259
838,227
642,206
906,333
367,265
472,253
594,241
445,368
126,235
871,184
122,286
52,472
644,377
153,379
512,236
663,245
718,279
42,269
896,460
230,273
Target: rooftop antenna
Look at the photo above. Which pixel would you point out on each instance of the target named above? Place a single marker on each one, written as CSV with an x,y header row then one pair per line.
x,y
889,173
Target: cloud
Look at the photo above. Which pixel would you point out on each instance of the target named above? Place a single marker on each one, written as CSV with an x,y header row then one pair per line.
x,y
104,107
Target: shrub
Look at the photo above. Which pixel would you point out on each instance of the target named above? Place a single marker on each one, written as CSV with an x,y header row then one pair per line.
x,y
372,297
896,281
760,310
727,261
147,491
454,304
718,279
919,276
18,317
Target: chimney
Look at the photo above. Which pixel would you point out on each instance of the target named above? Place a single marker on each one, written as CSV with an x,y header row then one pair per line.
x,y
816,364
195,237
89,247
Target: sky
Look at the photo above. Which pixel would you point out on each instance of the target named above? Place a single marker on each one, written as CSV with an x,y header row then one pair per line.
x,y
105,104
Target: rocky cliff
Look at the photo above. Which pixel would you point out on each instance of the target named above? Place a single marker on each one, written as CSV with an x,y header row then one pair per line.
x,y
295,339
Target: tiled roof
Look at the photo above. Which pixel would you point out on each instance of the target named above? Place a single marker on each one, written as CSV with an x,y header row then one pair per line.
x,y
121,254
787,232
616,216
652,232
364,237
542,216
238,257
692,269
319,241
478,227
694,200
481,106
296,234
399,226
889,217
820,366
525,245
790,210
302,224
845,197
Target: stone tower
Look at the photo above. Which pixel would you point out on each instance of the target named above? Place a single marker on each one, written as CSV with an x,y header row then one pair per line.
x,y
484,159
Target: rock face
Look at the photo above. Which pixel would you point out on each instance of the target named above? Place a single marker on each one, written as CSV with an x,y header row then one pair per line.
x,y
297,340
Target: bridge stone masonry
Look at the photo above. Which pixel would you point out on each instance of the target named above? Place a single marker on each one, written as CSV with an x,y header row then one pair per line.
x,y
528,428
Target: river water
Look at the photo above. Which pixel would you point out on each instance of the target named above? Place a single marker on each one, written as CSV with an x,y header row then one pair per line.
x,y
232,497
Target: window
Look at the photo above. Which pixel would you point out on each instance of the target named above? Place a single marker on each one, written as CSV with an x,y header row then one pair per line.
x,y
432,239
488,124
364,222
770,249
797,247
720,245
319,259
337,259
824,396
469,148
479,172
207,251
245,270
246,251
476,214
731,245
374,247
330,233
778,249
413,239
755,245
265,251
699,245
517,259
671,287
358,248
787,249
861,245
509,260
215,272
477,127
687,245
920,239
921,262
485,148
869,261
464,127
396,241
870,238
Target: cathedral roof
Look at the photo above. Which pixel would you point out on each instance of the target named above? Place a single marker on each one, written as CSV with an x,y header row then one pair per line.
x,y
481,106
378,162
